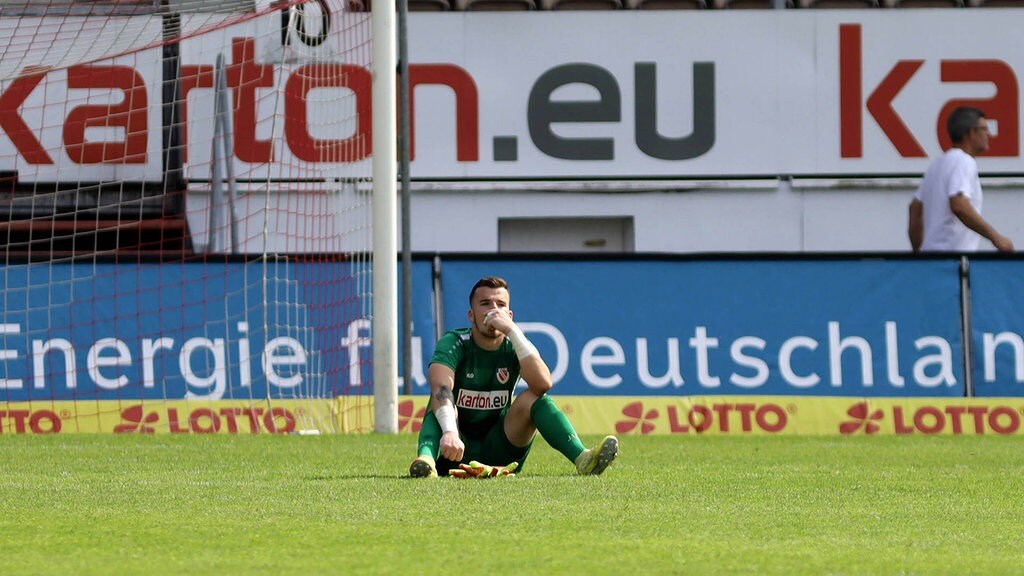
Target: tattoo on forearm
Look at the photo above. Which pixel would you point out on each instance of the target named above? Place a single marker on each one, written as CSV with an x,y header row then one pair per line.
x,y
443,395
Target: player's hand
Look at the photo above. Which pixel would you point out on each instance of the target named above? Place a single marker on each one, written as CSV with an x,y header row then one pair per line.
x,y
500,320
479,470
452,447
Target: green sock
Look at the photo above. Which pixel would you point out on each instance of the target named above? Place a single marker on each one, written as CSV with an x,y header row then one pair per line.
x,y
555,428
430,436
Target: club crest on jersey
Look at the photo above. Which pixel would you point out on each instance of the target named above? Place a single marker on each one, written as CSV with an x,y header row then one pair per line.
x,y
503,375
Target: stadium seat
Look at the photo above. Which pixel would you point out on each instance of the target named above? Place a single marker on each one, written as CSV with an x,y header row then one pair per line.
x,y
414,5
666,4
924,3
849,4
581,4
429,6
495,5
996,3
745,4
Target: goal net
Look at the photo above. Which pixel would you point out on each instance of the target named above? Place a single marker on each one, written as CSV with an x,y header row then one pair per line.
x,y
184,222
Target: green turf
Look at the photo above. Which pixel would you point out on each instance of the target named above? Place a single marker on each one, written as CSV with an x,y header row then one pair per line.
x,y
92,504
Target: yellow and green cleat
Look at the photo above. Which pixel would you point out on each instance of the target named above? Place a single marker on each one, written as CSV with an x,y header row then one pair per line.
x,y
595,460
423,467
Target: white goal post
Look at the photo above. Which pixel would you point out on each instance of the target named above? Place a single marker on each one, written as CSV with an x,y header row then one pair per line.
x,y
385,273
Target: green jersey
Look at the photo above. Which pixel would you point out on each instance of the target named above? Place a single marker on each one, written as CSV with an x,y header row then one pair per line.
x,y
484,379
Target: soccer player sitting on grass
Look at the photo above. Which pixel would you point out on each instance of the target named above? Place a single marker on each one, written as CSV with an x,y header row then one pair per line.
x,y
471,428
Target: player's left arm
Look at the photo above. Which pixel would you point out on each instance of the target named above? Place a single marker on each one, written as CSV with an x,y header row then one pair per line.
x,y
532,368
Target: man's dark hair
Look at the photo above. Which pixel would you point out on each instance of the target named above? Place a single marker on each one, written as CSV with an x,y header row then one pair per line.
x,y
960,122
488,282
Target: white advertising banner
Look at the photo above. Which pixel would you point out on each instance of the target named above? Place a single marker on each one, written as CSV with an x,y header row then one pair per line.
x,y
546,95
713,94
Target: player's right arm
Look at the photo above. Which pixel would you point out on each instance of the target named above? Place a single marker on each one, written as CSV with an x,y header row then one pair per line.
x,y
442,403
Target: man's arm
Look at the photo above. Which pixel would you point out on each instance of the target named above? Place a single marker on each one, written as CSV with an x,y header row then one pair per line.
x,y
963,210
915,226
442,402
532,367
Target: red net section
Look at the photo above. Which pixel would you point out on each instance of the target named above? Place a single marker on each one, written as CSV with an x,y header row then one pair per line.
x,y
184,235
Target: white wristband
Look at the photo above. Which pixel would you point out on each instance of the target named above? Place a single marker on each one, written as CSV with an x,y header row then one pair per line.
x,y
521,343
446,418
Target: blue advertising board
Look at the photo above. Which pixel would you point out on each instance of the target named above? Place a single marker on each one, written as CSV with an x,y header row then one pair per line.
x,y
275,329
868,328
997,326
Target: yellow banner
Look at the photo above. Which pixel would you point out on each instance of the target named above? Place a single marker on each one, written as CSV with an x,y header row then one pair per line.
x,y
795,415
188,417
738,415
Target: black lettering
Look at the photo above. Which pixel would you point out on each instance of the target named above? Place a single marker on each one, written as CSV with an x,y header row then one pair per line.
x,y
698,142
542,112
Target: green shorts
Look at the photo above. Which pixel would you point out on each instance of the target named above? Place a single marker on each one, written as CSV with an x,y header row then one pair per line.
x,y
492,448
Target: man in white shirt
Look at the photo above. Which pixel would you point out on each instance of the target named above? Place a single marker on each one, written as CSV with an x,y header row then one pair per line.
x,y
945,214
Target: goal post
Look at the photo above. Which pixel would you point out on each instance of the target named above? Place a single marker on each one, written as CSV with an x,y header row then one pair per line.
x,y
187,243
385,162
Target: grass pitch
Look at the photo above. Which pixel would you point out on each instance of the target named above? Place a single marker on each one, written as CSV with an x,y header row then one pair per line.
x,y
92,504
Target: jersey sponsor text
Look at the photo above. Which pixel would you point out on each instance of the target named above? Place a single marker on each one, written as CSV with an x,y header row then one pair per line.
x,y
482,399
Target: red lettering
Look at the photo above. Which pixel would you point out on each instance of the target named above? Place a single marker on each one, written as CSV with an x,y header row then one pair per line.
x,y
723,416
191,77
254,417
129,115
245,76
1002,107
38,416
271,418
705,421
979,417
207,413
467,115
172,422
880,106
11,121
745,411
955,412
938,420
765,423
898,424
879,103
25,421
296,128
19,417
850,113
674,425
229,415
998,427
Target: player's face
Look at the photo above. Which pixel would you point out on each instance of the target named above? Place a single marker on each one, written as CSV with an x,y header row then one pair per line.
x,y
484,300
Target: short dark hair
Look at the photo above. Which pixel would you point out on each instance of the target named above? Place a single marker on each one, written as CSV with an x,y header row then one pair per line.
x,y
488,282
960,122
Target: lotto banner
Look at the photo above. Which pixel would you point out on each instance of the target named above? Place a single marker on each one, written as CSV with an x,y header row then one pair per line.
x,y
693,415
774,415
184,417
